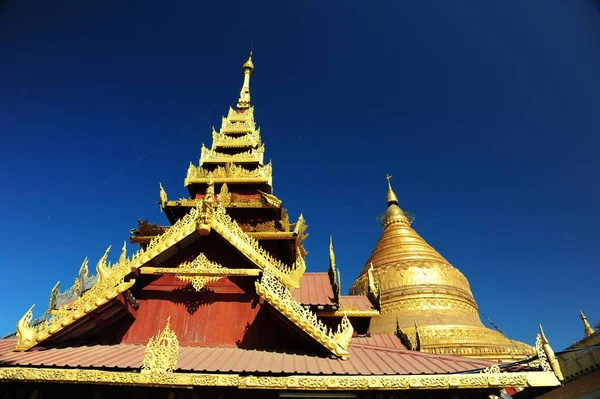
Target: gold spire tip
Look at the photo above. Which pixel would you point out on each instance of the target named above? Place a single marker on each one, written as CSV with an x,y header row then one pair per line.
x,y
587,329
391,195
249,64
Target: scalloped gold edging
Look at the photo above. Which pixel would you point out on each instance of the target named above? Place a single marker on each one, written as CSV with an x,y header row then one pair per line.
x,y
297,382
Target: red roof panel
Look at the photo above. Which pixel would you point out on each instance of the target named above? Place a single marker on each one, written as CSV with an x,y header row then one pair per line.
x,y
366,358
315,289
356,302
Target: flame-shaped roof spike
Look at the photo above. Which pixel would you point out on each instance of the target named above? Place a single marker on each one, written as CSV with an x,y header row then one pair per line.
x,y
391,195
587,329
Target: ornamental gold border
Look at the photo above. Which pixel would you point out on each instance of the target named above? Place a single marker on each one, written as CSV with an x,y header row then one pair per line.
x,y
296,382
349,313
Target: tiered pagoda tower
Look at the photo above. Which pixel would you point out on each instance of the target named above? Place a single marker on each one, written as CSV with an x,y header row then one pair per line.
x,y
421,291
219,303
233,172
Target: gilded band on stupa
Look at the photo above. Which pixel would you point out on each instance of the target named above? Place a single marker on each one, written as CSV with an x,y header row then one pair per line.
x,y
420,287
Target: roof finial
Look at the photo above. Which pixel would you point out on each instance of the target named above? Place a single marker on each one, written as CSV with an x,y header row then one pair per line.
x,y
391,196
248,68
587,329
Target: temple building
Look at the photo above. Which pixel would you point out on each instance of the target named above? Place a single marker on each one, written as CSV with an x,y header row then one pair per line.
x,y
423,294
219,304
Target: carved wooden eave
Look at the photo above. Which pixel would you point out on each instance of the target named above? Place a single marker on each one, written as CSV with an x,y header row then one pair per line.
x,y
279,296
490,380
247,140
252,156
230,174
234,203
247,115
237,126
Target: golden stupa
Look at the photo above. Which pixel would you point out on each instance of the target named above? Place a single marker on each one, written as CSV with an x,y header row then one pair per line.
x,y
421,292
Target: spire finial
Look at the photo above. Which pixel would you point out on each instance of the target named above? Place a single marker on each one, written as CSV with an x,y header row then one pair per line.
x,y
391,196
587,329
248,68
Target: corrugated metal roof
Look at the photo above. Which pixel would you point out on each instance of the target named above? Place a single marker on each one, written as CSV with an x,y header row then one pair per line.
x,y
315,289
356,302
365,359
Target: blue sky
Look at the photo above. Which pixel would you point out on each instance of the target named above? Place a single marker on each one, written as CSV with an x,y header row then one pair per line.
x,y
485,113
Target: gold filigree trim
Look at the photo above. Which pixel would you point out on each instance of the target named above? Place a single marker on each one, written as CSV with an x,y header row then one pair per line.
x,y
280,297
237,126
249,247
334,275
225,195
259,227
296,382
230,173
162,352
244,141
247,115
200,264
348,312
270,199
250,156
235,201
162,196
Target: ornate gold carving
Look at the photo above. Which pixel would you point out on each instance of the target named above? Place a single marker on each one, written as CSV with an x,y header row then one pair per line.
x,y
252,155
348,312
175,271
299,268
233,115
162,196
264,226
374,294
295,382
229,173
249,247
200,264
494,369
417,338
181,229
285,220
280,297
247,140
270,199
111,282
230,126
162,352
546,355
236,201
334,274
225,195
403,337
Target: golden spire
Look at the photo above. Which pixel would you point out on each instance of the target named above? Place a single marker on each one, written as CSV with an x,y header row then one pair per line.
x,y
587,329
394,214
391,196
248,68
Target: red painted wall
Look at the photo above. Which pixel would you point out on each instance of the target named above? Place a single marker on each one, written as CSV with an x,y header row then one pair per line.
x,y
221,315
